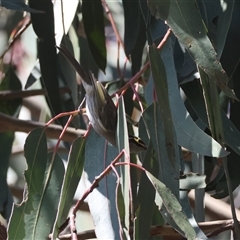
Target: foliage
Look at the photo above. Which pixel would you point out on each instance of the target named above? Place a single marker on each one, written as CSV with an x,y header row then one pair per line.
x,y
188,47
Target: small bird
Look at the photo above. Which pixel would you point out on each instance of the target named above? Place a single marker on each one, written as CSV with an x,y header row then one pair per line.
x,y
100,108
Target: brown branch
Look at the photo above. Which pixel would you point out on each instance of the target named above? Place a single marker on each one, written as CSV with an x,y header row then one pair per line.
x,y
145,67
104,3
8,94
8,123
96,182
212,228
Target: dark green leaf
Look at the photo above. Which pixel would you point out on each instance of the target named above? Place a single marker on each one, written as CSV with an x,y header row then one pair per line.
x,y
43,25
161,87
69,73
185,20
155,127
71,180
67,78
135,33
93,21
194,95
165,197
34,218
223,23
145,204
189,135
123,143
231,53
86,59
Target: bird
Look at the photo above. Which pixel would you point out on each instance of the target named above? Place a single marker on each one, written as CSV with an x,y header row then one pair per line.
x,y
100,108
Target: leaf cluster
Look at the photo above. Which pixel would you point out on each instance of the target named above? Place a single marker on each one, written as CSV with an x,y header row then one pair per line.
x,y
177,89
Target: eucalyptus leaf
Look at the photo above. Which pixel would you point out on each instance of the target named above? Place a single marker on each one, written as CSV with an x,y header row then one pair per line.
x,y
93,21
189,135
155,127
43,25
33,219
145,206
134,36
224,21
162,92
71,180
195,97
123,143
102,201
173,207
184,19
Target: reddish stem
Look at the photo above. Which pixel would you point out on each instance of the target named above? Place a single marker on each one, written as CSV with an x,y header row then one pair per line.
x,y
112,23
146,66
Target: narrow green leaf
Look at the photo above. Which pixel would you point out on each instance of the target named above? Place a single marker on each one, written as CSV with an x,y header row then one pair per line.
x,y
189,135
224,21
43,25
165,197
123,143
155,127
185,20
145,204
135,33
102,201
33,219
36,154
67,77
161,87
71,180
195,97
67,70
93,21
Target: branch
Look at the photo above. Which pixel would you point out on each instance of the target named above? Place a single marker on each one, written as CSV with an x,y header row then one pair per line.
x,y
211,228
8,94
12,124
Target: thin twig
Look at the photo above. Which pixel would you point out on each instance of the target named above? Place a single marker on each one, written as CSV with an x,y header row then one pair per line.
x,y
112,23
73,113
95,183
63,132
146,66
